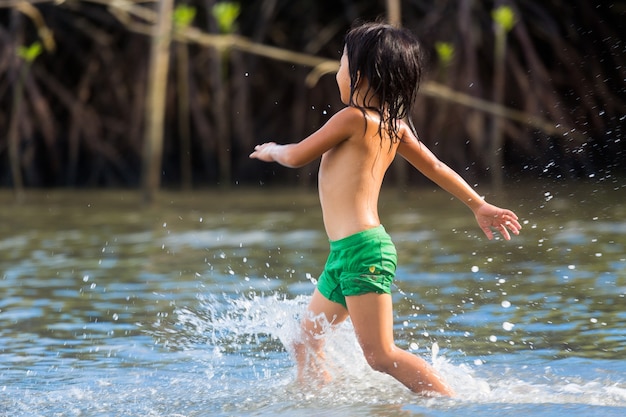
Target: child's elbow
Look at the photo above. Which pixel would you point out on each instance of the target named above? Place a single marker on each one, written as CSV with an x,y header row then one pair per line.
x,y
439,166
435,168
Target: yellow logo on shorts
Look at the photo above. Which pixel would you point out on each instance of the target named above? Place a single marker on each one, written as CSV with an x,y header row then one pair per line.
x,y
372,269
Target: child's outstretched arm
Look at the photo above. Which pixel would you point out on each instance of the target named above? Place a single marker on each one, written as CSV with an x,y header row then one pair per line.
x,y
337,129
487,215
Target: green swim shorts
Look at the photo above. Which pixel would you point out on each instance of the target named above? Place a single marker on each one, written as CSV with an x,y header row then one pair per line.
x,y
359,264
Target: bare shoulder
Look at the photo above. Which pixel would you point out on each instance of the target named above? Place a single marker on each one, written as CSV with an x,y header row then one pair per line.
x,y
347,123
350,115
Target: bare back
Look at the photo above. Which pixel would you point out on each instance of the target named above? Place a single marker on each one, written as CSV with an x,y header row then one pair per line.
x,y
350,177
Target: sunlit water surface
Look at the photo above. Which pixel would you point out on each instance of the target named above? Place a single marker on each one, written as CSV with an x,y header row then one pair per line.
x,y
188,308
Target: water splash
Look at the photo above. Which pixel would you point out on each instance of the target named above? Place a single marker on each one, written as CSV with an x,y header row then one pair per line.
x,y
260,325
241,324
230,356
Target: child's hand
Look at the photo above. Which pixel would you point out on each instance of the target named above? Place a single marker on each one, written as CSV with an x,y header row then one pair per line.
x,y
264,152
489,216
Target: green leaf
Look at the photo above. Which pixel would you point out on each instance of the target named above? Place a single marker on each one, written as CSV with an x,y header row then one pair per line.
x,y
445,52
226,13
184,15
504,16
30,53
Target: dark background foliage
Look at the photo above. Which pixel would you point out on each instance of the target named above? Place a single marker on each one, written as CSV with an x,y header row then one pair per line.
x,y
82,112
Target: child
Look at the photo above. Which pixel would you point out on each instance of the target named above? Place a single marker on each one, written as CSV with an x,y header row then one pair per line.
x,y
378,79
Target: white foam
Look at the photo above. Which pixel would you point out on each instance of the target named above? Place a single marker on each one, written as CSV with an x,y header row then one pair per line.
x,y
229,324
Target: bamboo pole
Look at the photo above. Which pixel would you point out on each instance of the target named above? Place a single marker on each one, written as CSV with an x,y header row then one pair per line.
x,y
394,13
155,102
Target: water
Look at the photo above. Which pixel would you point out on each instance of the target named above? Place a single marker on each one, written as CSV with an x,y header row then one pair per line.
x,y
185,309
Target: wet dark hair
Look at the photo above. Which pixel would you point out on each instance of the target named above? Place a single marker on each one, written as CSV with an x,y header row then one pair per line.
x,y
390,60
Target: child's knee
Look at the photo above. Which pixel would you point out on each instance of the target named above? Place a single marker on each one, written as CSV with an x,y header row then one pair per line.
x,y
313,327
380,360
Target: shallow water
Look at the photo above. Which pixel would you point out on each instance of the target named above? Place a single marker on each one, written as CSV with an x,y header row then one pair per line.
x,y
184,309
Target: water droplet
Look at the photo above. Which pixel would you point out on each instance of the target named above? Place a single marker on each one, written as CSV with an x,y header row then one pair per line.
x,y
508,326
505,304
475,268
493,338
435,350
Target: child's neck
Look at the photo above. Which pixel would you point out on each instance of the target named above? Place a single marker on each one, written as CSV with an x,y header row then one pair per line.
x,y
364,98
359,100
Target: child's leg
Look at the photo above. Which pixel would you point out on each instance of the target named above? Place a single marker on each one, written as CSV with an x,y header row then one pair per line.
x,y
309,348
372,317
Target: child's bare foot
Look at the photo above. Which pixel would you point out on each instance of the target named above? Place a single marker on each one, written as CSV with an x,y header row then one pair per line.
x,y
314,374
